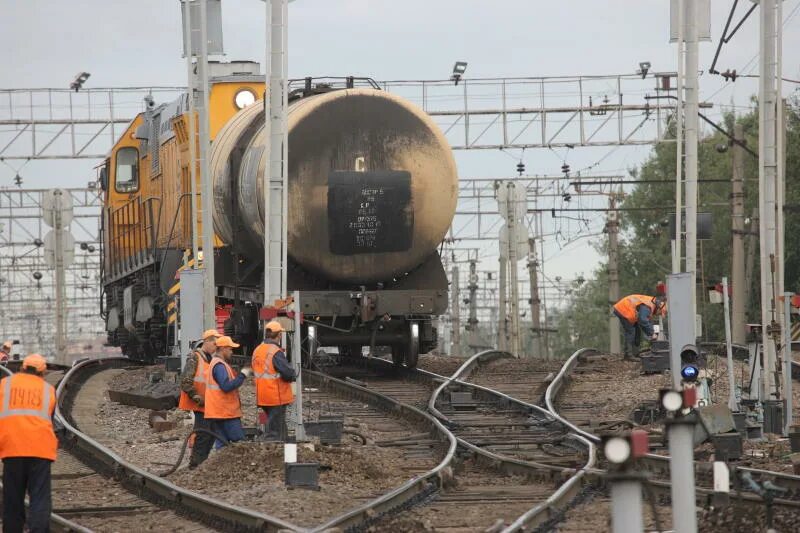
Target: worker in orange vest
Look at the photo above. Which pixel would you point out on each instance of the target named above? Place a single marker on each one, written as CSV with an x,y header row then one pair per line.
x,y
223,406
27,446
5,352
635,313
274,377
193,391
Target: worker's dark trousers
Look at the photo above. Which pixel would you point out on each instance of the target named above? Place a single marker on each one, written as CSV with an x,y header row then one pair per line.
x,y
632,334
21,475
202,441
276,422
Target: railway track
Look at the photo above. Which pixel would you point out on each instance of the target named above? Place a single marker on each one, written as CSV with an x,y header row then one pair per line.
x,y
513,460
124,496
580,419
138,491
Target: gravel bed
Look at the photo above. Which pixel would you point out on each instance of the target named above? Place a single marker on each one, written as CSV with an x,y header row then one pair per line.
x,y
251,474
440,364
595,515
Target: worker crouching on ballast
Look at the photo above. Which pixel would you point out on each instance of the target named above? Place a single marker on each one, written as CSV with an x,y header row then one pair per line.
x,y
223,405
635,313
274,377
193,392
28,446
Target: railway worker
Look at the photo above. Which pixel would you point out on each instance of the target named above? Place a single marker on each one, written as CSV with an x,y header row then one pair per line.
x,y
5,352
27,445
274,377
223,406
193,390
635,313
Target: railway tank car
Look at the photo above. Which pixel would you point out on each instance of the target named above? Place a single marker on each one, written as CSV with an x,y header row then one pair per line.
x,y
372,192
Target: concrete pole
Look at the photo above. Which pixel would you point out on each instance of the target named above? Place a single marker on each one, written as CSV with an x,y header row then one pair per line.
x,y
727,318
275,132
787,361
473,304
190,81
61,308
780,154
513,270
545,322
502,305
626,503
691,126
739,287
536,323
455,312
209,292
296,407
677,243
751,245
681,470
612,226
767,177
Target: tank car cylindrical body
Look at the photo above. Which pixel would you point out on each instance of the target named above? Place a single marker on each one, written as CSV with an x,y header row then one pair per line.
x,y
372,184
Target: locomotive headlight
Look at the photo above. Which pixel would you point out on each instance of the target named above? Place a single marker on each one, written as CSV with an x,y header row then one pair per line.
x,y
244,98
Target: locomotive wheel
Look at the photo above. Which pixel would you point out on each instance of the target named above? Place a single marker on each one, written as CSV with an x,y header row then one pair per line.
x,y
408,353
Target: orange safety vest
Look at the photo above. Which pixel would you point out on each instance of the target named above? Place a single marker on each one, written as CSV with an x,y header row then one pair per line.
x,y
271,389
221,404
185,402
27,403
627,306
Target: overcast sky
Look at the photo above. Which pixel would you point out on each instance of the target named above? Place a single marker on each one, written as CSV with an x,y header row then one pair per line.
x,y
134,43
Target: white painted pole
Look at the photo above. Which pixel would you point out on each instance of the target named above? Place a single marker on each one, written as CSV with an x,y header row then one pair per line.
x,y
691,124
206,196
677,246
274,190
190,83
787,361
727,317
766,180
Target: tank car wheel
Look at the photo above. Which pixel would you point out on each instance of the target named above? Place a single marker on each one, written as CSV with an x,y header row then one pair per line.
x,y
398,354
412,352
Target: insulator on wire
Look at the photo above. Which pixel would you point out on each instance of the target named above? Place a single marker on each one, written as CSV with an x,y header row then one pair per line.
x,y
521,168
565,168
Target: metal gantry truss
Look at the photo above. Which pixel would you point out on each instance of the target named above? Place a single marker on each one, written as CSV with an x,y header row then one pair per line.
x,y
27,284
494,113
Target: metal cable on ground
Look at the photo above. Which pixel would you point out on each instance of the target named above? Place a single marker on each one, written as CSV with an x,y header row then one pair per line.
x,y
217,436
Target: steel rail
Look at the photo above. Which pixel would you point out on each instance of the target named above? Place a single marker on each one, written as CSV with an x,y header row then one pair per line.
x,y
421,485
659,464
216,513
561,498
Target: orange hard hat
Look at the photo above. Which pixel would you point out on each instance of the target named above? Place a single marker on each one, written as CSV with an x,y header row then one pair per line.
x,y
226,341
274,327
211,333
35,361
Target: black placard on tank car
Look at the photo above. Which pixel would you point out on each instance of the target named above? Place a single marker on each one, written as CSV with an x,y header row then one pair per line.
x,y
370,212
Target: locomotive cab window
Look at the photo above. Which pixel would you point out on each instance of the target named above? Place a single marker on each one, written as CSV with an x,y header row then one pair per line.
x,y
126,175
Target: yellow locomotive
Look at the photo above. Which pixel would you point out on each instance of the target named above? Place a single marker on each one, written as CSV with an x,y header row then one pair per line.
x,y
372,192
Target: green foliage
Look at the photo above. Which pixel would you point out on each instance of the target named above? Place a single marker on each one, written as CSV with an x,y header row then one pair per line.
x,y
645,250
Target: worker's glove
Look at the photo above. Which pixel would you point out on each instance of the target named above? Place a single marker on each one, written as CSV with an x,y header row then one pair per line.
x,y
654,337
247,371
293,385
199,401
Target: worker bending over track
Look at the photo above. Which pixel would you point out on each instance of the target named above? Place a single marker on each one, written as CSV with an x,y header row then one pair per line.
x,y
635,313
193,391
27,446
274,377
223,405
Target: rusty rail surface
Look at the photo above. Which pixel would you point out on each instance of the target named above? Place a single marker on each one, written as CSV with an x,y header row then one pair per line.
x,y
561,498
421,485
